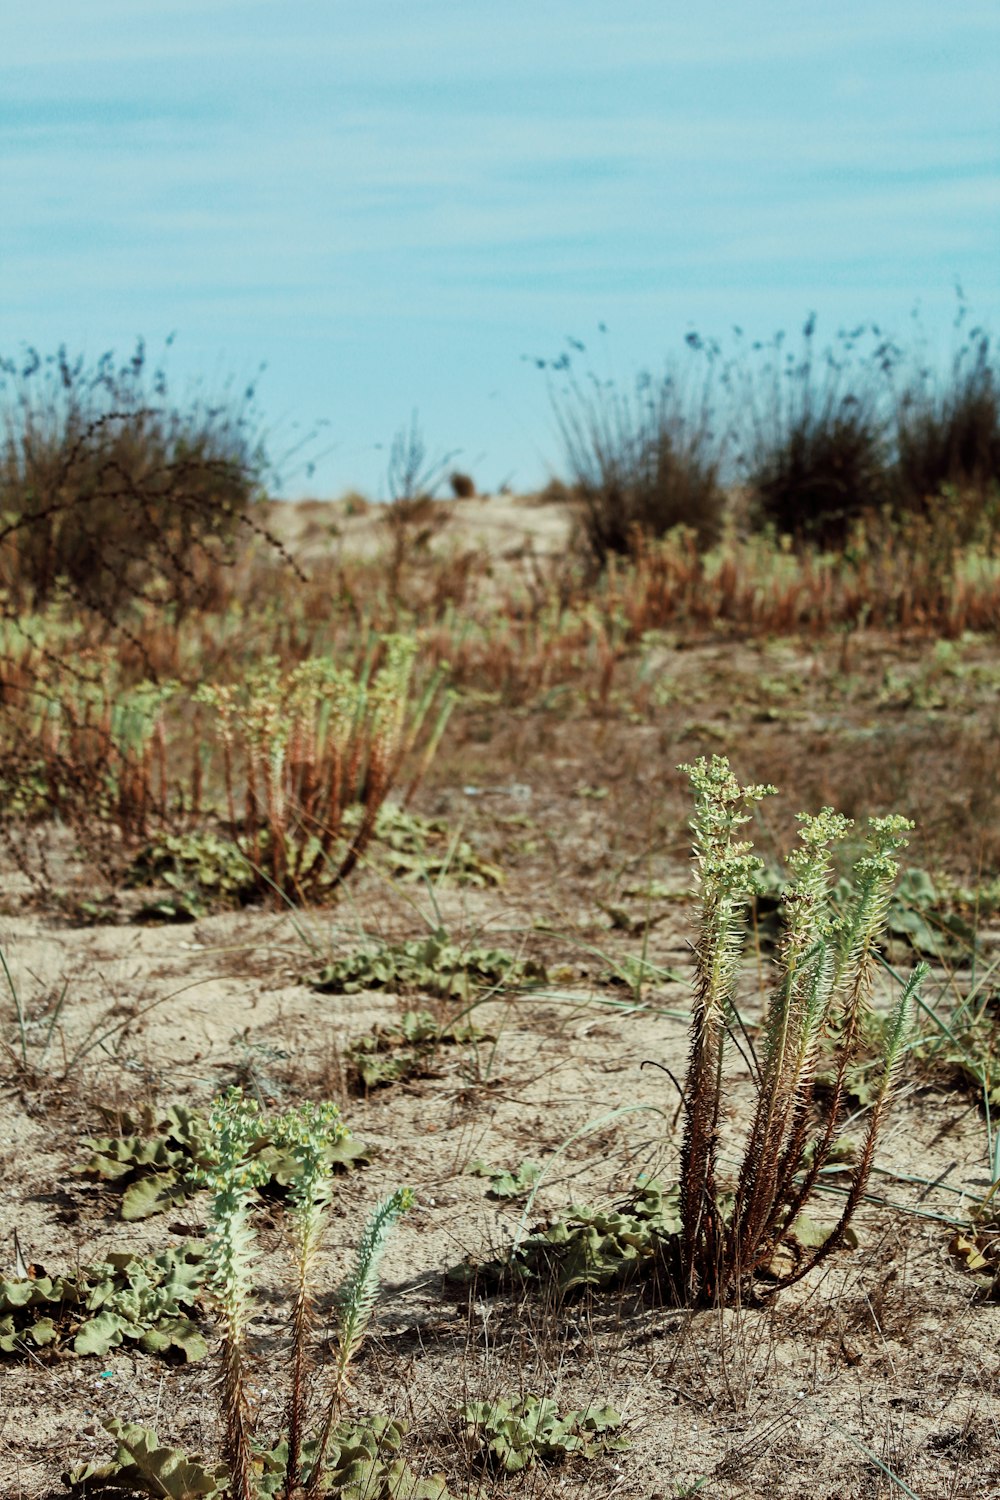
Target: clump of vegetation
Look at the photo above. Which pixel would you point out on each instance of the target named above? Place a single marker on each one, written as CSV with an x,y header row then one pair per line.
x,y
817,452
145,1299
977,1245
411,517
206,871
110,492
919,918
346,1458
363,1462
506,1183
948,443
161,1156
587,1246
202,870
394,1053
412,848
641,463
826,969
84,745
513,1435
710,1241
463,486
433,965
309,744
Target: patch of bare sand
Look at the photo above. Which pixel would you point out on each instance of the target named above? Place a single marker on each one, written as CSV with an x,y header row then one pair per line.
x,y
499,526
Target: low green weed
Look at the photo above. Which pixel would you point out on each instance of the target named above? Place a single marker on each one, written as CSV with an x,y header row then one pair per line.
x,y
203,870
395,1053
433,965
206,871
147,1300
363,1462
513,1435
508,1183
922,916
977,1244
412,848
601,1248
158,1159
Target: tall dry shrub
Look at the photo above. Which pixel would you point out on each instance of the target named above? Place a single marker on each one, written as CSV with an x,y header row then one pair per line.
x,y
110,491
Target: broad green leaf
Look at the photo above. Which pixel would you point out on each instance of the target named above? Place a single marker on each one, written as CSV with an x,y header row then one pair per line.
x,y
151,1195
182,1478
179,1334
99,1334
402,1484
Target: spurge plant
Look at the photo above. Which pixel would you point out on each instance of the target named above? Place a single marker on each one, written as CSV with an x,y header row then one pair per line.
x,y
337,1456
822,990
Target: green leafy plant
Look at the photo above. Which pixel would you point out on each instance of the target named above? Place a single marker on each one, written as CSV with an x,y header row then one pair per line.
x,y
206,871
391,1054
354,1460
514,1435
201,869
517,1183
412,848
157,1159
919,916
433,965
363,1462
587,1246
977,1244
144,1299
142,1466
307,745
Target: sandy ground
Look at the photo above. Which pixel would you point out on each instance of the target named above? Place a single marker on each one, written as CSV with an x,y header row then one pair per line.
x,y
502,526
887,1348
883,1360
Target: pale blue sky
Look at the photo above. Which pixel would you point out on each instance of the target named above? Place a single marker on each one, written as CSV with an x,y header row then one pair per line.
x,y
390,202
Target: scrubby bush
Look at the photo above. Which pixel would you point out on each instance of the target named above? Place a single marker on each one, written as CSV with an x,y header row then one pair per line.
x,y
641,462
109,491
948,443
463,486
817,452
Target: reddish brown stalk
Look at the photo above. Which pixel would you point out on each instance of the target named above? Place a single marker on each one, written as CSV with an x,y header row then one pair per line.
x,y
333,812
227,773
376,787
855,1193
196,772
297,1407
160,751
700,1234
252,821
237,1434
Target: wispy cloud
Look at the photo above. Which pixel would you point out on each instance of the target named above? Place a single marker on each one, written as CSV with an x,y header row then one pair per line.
x,y
271,179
